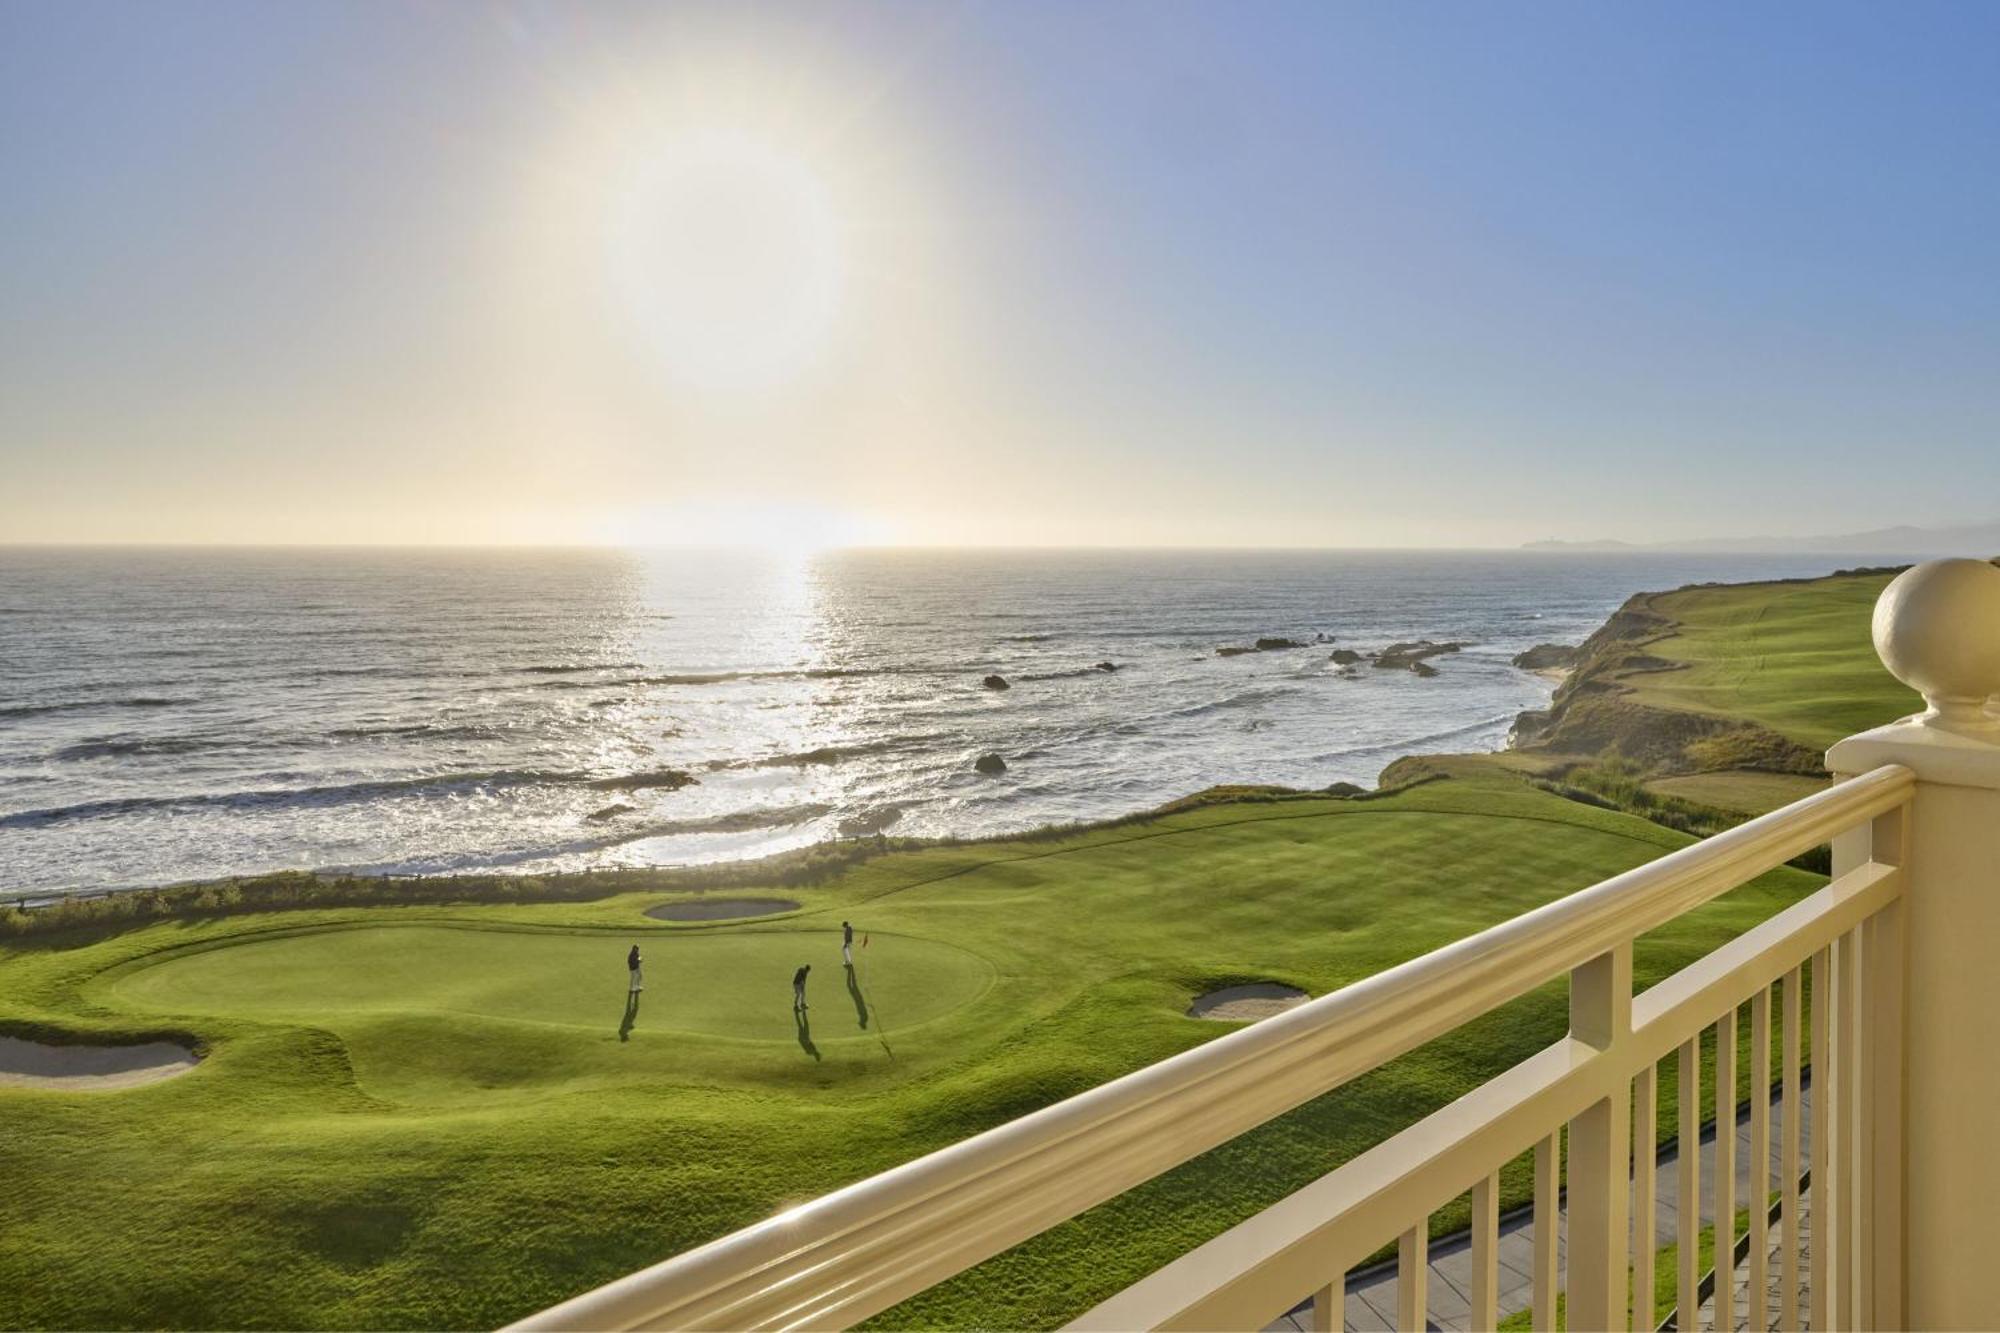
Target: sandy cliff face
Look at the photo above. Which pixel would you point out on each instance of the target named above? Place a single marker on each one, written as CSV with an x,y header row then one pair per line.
x,y
1595,713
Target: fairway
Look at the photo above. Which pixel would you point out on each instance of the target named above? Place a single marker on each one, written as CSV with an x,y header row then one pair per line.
x,y
722,983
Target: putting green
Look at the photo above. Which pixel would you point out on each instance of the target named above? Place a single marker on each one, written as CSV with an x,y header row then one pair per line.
x,y
726,984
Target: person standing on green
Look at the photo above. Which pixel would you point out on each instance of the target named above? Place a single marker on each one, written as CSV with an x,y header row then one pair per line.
x,y
847,943
632,966
799,988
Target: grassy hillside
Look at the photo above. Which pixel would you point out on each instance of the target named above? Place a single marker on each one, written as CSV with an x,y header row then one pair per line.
x,y
439,1116
1794,657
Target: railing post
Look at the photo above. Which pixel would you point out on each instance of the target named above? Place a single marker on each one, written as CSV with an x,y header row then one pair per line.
x,y
1931,981
1600,1152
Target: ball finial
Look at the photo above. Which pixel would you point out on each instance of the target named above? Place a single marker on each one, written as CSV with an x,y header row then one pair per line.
x,y
1937,629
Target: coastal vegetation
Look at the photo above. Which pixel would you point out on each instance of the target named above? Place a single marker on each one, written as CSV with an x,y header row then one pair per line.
x,y
430,1103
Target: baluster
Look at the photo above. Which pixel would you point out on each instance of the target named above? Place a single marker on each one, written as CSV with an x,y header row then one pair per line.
x,y
1757,1278
1412,1273
1725,1169
1485,1315
1687,1215
1847,1268
1547,1160
1328,1316
1884,1124
1788,1188
1645,1206
1825,1200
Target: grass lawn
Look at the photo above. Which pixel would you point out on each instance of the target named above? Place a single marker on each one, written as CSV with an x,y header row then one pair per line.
x,y
439,1116
1795,657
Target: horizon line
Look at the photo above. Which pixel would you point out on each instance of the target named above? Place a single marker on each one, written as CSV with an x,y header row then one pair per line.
x,y
1537,546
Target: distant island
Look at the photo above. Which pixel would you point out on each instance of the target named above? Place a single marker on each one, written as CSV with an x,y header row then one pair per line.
x,y
1976,539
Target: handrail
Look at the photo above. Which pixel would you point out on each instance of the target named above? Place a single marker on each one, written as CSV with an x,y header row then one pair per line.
x,y
1330,1223
861,1249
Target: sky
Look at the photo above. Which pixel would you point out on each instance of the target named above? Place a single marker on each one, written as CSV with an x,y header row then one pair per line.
x,y
1157,274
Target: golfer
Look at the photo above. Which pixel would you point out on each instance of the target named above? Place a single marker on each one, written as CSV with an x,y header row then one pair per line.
x,y
632,966
847,943
799,988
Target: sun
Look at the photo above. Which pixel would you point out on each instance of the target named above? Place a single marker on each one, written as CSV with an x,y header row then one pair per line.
x,y
726,253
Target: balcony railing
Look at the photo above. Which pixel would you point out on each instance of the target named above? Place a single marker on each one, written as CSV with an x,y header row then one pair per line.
x,y
1847,974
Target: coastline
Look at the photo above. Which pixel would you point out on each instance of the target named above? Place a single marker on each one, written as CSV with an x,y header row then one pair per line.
x,y
1587,718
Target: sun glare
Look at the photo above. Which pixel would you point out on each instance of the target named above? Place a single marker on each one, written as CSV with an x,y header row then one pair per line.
x,y
726,252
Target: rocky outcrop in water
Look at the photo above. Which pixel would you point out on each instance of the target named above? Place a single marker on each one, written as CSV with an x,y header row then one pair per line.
x,y
1344,657
1406,656
1105,666
1264,645
1547,657
996,683
989,764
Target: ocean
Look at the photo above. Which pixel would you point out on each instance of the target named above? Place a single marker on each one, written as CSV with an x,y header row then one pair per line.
x,y
178,714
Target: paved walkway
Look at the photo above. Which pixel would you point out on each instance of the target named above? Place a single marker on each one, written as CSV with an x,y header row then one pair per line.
x,y
1371,1293
1740,1309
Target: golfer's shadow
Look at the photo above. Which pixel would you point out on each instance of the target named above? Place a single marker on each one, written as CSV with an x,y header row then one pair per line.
x,y
631,1019
854,994
805,1033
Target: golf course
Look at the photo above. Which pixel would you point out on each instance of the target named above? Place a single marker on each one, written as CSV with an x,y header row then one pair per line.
x,y
449,1114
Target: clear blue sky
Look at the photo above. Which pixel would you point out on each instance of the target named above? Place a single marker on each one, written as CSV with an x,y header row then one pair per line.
x,y
1308,274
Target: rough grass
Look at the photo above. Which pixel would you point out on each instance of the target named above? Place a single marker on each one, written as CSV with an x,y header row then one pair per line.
x,y
1740,791
424,1116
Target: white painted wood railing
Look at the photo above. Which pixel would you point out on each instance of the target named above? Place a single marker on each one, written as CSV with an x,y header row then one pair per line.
x,y
1883,979
853,1253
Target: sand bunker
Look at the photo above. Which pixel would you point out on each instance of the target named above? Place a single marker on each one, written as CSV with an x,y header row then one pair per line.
x,y
1247,1004
720,909
33,1064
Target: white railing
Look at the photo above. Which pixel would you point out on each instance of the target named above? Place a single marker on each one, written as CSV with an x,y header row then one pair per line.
x,y
1882,980
1600,1083
853,1253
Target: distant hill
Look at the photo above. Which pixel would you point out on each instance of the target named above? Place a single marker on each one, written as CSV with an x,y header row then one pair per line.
x,y
1979,539
1556,544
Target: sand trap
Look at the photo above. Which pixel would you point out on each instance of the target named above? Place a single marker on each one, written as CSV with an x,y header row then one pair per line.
x,y
1247,1004
720,909
32,1064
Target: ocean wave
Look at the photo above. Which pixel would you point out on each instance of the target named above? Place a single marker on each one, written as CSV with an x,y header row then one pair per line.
x,y
725,677
564,670
334,794
1406,744
1243,699
87,705
739,821
669,779
821,755
428,731
120,747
